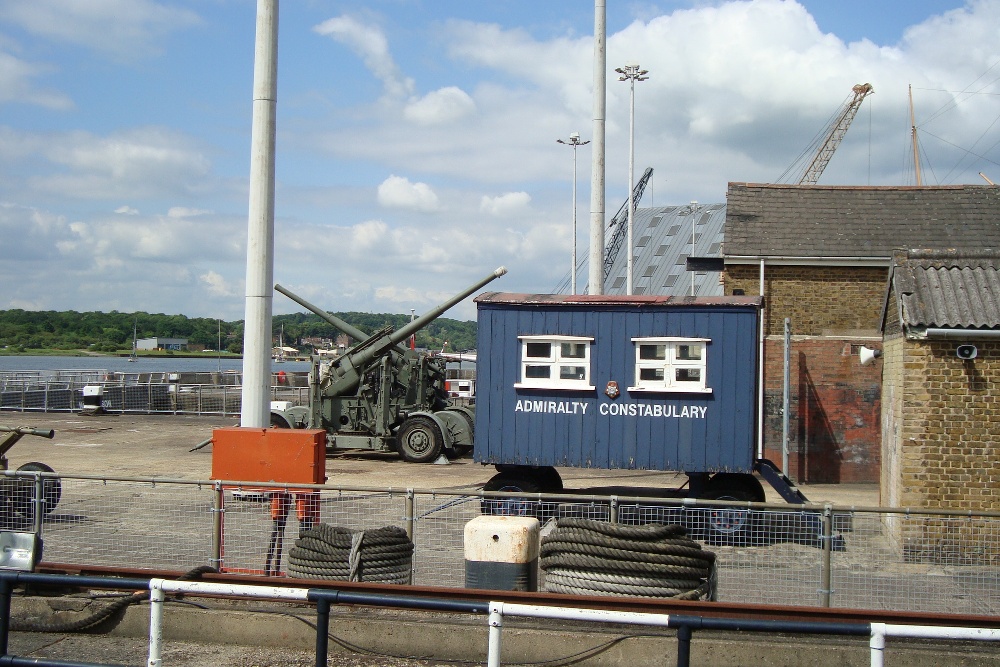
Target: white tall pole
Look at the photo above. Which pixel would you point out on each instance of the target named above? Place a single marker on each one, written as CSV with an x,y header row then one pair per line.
x,y
255,410
573,272
574,141
631,73
596,280
631,167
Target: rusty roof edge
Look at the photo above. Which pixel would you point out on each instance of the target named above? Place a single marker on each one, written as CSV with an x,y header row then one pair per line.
x,y
616,300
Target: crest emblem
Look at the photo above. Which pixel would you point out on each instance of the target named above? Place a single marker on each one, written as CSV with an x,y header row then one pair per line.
x,y
612,390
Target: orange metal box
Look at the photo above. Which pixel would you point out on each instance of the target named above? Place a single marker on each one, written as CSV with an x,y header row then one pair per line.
x,y
283,456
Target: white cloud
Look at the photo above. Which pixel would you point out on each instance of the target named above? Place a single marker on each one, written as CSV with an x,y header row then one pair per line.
x,y
132,163
399,192
16,85
440,106
369,43
218,285
127,210
505,204
185,212
123,28
366,235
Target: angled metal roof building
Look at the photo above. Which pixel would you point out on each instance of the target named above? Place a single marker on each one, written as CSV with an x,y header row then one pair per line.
x,y
665,236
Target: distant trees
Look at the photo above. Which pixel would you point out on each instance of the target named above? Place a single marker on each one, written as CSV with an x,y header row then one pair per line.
x,y
110,332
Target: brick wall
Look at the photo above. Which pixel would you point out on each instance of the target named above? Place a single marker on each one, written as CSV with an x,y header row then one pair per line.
x,y
835,429
949,427
819,299
835,408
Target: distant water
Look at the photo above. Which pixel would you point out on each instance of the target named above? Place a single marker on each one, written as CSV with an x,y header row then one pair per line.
x,y
143,365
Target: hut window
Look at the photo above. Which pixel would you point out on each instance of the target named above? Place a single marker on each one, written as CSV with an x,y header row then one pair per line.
x,y
671,365
555,362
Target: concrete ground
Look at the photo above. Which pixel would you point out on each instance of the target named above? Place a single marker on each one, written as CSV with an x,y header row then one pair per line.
x,y
160,446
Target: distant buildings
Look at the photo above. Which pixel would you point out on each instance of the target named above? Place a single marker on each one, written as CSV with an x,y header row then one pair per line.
x,y
157,343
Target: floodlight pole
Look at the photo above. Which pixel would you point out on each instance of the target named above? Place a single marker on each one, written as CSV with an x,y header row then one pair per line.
x,y
574,141
631,73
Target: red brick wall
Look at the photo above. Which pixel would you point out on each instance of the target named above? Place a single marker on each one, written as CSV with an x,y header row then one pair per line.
x,y
834,430
834,420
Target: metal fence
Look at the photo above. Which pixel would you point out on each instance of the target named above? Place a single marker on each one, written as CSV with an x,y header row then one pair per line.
x,y
203,393
867,558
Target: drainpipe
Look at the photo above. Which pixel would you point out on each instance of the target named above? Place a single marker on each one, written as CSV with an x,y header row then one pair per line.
x,y
760,370
962,333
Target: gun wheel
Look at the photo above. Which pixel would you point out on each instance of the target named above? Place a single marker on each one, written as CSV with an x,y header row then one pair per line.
x,y
419,440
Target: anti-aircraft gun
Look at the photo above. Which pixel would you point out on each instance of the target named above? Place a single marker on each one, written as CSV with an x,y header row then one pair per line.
x,y
379,395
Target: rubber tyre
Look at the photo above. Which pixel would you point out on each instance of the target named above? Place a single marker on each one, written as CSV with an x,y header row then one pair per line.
x,y
51,486
730,526
419,440
549,479
511,483
277,421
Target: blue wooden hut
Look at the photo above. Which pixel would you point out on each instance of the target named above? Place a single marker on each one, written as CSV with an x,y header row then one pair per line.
x,y
632,382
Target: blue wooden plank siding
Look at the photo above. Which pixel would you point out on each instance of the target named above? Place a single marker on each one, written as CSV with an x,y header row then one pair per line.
x,y
692,432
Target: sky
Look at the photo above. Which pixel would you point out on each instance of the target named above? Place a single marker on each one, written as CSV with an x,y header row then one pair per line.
x,y
416,139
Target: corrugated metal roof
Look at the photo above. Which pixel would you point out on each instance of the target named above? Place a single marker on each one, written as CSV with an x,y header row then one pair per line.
x,y
615,300
948,289
664,237
850,221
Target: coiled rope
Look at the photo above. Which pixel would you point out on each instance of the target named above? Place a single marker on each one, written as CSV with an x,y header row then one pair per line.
x,y
585,557
381,555
102,614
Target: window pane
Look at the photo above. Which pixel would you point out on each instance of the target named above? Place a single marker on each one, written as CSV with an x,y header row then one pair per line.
x,y
653,352
688,375
651,374
689,352
574,350
572,373
538,350
536,372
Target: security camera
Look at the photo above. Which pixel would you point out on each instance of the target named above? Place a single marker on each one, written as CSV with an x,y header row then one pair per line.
x,y
966,351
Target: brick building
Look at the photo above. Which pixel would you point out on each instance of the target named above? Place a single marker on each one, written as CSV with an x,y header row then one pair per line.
x,y
823,254
940,410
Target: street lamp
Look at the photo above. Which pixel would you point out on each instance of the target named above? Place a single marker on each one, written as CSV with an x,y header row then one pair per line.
x,y
631,73
574,141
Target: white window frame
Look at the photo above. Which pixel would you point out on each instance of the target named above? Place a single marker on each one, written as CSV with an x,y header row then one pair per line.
x,y
670,365
555,361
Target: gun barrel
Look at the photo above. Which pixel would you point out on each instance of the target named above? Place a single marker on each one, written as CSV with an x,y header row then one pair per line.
x,y
353,332
20,430
416,325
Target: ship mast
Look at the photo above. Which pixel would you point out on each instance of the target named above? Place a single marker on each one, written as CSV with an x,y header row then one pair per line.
x,y
913,135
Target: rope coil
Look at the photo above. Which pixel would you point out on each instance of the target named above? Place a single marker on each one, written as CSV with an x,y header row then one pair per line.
x,y
380,555
585,557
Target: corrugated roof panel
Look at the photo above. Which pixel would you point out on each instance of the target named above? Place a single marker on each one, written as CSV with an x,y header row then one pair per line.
x,y
949,290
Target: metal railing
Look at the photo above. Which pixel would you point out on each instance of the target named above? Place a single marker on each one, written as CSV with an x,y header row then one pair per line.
x,y
685,625
142,393
815,555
